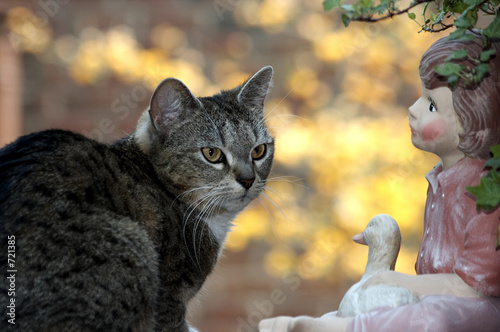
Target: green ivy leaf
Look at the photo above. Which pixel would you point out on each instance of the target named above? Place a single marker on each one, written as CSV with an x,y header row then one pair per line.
x,y
453,79
330,4
346,20
493,30
487,193
494,162
412,16
457,34
463,21
493,176
458,54
495,150
481,70
367,3
455,6
485,56
447,69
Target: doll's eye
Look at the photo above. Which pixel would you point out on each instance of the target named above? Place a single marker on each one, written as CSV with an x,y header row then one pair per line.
x,y
432,108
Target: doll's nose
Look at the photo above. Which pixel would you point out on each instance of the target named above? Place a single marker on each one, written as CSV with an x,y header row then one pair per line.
x,y
412,110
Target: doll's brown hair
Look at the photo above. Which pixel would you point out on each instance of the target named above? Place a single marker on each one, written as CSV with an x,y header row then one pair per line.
x,y
477,107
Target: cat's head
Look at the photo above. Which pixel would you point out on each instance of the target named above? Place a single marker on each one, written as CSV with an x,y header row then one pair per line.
x,y
214,153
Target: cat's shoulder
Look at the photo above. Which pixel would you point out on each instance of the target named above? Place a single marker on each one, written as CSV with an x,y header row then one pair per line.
x,y
40,147
46,140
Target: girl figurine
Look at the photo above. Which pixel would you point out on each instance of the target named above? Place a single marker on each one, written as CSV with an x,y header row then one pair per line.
x,y
458,267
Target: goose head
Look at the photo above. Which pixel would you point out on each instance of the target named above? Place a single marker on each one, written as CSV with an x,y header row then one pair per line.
x,y
383,238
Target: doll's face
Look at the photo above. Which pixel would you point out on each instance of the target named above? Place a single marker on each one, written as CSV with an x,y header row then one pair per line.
x,y
433,122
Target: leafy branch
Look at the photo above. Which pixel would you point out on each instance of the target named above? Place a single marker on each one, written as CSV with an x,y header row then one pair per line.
x,y
437,15
487,193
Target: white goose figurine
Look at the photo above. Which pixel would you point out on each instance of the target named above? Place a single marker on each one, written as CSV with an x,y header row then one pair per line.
x,y
383,238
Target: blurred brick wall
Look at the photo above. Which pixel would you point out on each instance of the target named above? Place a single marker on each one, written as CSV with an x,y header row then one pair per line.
x,y
240,293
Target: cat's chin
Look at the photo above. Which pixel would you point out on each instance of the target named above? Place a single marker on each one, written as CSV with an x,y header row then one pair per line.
x,y
236,205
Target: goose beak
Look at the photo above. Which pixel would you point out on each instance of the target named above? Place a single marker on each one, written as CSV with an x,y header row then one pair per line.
x,y
358,238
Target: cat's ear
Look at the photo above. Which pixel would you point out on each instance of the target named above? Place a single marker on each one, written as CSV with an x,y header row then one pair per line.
x,y
169,101
254,91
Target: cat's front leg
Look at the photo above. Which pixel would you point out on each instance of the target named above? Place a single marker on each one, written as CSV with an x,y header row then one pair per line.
x,y
170,313
183,328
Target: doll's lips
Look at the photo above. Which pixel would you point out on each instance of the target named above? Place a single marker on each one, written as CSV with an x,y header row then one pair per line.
x,y
413,131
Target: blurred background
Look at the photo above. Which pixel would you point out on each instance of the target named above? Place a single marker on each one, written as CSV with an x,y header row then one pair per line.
x,y
338,109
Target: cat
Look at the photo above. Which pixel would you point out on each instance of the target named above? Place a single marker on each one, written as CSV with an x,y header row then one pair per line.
x,y
120,237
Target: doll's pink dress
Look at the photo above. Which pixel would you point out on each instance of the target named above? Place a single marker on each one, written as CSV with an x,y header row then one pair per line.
x,y
457,239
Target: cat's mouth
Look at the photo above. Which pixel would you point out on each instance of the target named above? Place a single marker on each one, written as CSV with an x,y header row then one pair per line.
x,y
238,203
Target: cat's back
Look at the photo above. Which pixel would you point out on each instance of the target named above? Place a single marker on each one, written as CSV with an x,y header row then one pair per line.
x,y
36,168
40,154
84,260
41,169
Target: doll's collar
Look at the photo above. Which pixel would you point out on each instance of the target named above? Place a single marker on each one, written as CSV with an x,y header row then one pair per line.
x,y
432,176
464,170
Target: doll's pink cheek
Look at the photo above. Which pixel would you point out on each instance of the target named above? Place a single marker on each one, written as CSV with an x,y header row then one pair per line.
x,y
433,130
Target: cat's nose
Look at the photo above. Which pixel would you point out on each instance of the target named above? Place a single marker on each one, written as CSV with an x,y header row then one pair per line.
x,y
246,183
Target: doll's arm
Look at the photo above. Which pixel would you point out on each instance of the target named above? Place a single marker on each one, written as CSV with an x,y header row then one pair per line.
x,y
425,284
479,265
444,313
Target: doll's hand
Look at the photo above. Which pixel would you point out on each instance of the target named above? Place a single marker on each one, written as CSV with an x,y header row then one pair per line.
x,y
276,324
389,278
304,324
424,284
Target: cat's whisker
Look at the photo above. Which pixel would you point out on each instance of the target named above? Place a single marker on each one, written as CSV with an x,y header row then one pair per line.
x,y
290,179
158,203
189,211
195,204
270,216
275,192
187,192
270,200
200,219
278,104
289,116
205,215
280,178
267,117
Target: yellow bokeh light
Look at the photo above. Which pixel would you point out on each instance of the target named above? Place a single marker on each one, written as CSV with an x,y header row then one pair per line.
x,y
303,82
168,38
333,46
89,63
29,32
294,143
314,26
239,44
367,90
279,260
251,223
343,150
274,13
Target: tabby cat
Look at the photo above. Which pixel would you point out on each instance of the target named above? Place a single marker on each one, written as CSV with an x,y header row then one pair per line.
x,y
120,237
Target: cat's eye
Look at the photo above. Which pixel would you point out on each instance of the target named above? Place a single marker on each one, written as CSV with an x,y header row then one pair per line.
x,y
259,152
213,155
